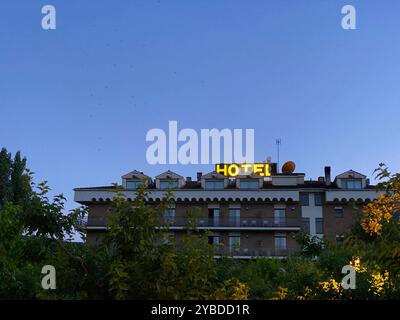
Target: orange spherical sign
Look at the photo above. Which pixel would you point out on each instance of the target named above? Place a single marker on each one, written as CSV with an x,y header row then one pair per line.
x,y
288,167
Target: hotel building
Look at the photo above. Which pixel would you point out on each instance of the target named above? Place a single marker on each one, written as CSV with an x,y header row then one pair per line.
x,y
247,216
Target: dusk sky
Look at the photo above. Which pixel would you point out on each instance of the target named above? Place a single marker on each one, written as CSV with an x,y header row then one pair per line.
x,y
79,100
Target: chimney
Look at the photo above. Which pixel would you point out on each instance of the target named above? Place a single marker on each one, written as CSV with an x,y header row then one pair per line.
x,y
321,179
367,182
328,175
188,179
199,175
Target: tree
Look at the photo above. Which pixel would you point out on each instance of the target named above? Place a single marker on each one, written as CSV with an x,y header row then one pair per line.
x,y
33,232
380,222
20,179
309,246
138,259
386,207
5,174
15,178
146,264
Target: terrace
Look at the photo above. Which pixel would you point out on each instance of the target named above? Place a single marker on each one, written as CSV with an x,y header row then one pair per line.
x,y
215,223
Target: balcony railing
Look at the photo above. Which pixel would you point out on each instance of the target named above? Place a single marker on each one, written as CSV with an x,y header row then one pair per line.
x,y
254,252
245,222
93,222
216,222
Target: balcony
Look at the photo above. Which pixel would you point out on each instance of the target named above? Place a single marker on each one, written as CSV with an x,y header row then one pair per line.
x,y
245,223
248,253
93,222
216,223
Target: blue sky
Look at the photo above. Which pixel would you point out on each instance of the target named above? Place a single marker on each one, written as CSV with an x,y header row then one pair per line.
x,y
79,100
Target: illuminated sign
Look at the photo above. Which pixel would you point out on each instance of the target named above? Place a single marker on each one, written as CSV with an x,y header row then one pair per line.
x,y
234,169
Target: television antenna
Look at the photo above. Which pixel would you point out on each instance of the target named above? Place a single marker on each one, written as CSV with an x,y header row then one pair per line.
x,y
278,143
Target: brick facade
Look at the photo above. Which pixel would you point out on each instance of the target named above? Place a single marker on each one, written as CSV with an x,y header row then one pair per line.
x,y
246,223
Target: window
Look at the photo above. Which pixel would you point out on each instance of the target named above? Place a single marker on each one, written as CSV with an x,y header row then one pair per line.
x,y
319,225
213,217
279,216
234,217
304,199
306,225
280,242
169,238
213,240
351,183
249,184
168,184
339,212
234,243
169,214
212,185
339,238
317,199
133,184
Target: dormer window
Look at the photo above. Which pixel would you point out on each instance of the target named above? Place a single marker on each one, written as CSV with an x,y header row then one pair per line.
x,y
133,179
249,184
213,181
351,184
351,180
169,184
169,180
133,184
214,184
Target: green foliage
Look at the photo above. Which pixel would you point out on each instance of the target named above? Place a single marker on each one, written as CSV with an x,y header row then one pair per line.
x,y
194,266
138,259
14,178
262,275
5,174
300,274
310,247
146,264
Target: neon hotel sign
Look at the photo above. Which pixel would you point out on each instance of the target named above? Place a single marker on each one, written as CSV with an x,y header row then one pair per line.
x,y
234,169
